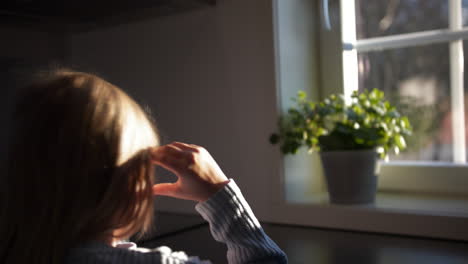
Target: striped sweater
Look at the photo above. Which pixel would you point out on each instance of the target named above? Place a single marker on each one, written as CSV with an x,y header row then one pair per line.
x,y
231,222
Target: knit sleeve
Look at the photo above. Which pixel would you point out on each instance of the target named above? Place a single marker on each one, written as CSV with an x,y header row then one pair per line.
x,y
232,222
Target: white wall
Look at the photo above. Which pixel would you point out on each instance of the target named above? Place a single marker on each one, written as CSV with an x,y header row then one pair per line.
x,y
298,50
208,76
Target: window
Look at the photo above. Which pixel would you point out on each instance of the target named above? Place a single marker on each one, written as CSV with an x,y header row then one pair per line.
x,y
413,51
310,57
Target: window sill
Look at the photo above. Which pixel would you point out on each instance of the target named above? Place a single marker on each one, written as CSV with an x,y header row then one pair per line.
x,y
424,204
420,215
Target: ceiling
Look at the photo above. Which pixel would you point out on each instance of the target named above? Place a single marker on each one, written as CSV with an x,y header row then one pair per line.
x,y
82,14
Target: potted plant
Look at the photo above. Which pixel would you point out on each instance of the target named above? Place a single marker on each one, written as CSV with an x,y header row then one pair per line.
x,y
349,137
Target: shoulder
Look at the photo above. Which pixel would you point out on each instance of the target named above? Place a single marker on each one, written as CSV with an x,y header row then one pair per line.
x,y
100,253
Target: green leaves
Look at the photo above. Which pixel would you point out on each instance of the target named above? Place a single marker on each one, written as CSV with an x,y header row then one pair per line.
x,y
301,95
368,122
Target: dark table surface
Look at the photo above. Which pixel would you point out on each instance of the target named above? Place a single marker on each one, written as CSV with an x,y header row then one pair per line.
x,y
191,234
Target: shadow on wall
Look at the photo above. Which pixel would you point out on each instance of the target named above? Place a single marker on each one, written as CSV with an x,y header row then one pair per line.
x,y
15,73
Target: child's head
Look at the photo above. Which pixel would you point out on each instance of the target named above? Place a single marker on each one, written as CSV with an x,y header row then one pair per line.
x,y
77,167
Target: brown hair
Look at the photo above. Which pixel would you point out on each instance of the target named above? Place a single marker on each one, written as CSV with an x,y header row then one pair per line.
x,y
77,168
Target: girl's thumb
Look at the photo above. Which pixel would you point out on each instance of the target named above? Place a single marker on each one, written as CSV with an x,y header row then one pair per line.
x,y
165,189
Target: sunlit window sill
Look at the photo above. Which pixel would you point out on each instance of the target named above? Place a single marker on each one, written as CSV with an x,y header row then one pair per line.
x,y
419,215
424,204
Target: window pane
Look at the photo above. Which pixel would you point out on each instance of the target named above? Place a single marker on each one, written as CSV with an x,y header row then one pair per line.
x,y
465,12
384,18
416,80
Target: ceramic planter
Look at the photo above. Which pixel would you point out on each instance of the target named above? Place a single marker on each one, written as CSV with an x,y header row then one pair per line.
x,y
350,176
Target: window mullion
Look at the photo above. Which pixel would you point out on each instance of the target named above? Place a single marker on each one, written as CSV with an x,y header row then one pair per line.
x,y
350,60
456,84
407,40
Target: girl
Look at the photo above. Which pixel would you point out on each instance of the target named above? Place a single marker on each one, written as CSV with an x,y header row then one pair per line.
x,y
80,179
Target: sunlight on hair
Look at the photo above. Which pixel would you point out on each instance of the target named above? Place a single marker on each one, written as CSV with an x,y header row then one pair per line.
x,y
137,134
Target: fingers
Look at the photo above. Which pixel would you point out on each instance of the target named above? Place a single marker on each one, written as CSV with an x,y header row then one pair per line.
x,y
187,147
169,157
166,189
177,157
199,176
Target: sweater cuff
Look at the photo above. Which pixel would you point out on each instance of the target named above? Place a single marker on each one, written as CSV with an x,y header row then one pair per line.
x,y
227,204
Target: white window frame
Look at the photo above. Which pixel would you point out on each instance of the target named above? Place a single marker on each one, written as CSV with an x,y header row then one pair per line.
x,y
433,177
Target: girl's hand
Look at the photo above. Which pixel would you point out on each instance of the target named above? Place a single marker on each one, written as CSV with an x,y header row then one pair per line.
x,y
199,177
